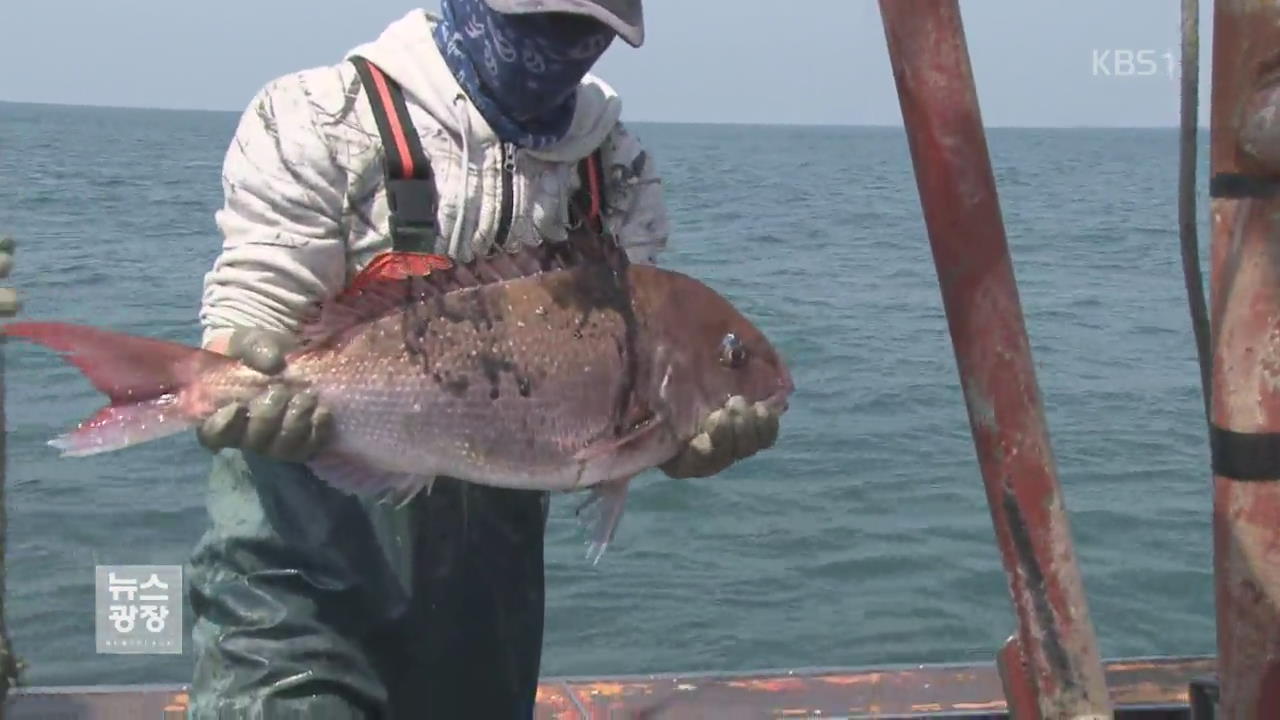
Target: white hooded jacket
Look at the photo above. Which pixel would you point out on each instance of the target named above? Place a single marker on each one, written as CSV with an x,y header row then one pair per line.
x,y
303,181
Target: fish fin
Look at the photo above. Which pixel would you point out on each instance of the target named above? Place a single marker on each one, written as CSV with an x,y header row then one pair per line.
x,y
381,286
402,495
126,368
393,279
609,445
119,426
142,377
601,512
397,265
356,478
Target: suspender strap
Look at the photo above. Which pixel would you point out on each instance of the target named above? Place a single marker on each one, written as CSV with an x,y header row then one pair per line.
x,y
411,187
591,202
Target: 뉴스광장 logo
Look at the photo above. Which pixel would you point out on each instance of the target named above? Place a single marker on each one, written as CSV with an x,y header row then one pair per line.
x,y
139,609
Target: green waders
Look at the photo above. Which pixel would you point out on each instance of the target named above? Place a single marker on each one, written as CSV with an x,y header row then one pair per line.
x,y
310,603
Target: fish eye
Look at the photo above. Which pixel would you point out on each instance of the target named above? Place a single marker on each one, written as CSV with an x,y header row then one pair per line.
x,y
732,352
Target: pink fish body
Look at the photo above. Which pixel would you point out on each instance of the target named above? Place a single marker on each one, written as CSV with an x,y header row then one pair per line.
x,y
496,373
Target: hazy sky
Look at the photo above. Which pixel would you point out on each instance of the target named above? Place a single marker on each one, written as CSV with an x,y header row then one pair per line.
x,y
802,61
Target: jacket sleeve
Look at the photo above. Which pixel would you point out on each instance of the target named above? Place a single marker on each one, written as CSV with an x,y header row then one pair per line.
x,y
636,210
282,247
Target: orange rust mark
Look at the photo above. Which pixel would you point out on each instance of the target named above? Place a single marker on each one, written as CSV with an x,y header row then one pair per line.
x,y
770,684
1178,667
1150,691
1131,665
555,698
926,707
1260,509
605,689
796,712
864,679
610,689
178,703
993,705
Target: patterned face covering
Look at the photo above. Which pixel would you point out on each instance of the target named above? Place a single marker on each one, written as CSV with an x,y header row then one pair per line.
x,y
521,71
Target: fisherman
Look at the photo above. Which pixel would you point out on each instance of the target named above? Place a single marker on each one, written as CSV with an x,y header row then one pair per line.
x,y
469,131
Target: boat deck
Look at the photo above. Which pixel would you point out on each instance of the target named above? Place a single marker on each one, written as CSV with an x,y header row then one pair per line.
x,y
1141,688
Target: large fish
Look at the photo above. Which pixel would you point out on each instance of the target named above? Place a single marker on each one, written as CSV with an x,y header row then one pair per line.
x,y
519,371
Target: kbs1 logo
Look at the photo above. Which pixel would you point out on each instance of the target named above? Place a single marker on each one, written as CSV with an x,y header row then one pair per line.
x,y
1119,62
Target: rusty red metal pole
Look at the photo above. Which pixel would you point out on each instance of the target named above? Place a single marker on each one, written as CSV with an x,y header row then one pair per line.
x,y
1052,665
1245,292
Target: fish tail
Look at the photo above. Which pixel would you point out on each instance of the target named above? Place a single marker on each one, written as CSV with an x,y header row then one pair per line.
x,y
143,378
120,426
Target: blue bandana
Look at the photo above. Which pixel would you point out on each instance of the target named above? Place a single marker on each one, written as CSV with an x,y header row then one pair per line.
x,y
520,71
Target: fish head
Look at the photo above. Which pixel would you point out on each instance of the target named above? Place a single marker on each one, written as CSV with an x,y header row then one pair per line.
x,y
707,351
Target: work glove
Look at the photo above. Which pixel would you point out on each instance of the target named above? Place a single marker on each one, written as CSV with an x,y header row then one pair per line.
x,y
9,303
735,432
278,423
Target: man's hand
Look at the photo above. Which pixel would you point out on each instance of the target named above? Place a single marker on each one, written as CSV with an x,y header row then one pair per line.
x,y
9,302
277,423
733,433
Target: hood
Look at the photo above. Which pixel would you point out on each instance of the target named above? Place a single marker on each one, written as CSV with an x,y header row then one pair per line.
x,y
407,53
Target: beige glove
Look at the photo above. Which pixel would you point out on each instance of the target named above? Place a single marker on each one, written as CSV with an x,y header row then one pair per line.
x,y
733,433
9,302
277,423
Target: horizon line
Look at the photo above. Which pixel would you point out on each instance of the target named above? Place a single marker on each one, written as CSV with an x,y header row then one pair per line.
x,y
729,123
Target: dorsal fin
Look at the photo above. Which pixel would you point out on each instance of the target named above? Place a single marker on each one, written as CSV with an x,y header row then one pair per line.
x,y
390,266
393,279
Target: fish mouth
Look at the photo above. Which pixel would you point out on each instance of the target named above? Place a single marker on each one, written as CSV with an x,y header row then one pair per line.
x,y
778,401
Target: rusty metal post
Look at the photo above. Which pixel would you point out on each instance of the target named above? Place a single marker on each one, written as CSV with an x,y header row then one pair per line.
x,y
1189,138
1245,297
1053,664
9,665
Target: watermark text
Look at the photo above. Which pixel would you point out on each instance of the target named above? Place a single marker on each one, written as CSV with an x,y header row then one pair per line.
x,y
139,609
1135,62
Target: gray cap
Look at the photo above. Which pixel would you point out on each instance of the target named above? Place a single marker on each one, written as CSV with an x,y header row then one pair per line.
x,y
625,16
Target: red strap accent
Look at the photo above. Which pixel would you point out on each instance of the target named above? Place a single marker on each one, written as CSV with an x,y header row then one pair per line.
x,y
397,130
593,180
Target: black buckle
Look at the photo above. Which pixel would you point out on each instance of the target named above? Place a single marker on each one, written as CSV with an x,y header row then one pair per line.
x,y
413,213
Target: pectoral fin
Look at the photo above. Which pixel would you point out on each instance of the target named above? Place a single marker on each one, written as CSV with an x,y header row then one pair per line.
x,y
356,478
601,512
603,447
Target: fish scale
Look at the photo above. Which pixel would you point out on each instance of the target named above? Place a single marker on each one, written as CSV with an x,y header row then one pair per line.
x,y
547,378
481,346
